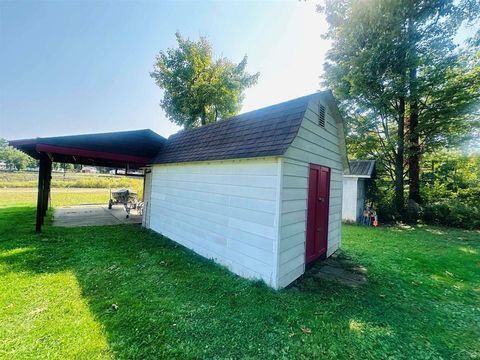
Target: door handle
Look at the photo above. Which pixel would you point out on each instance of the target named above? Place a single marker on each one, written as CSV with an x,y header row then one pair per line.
x,y
321,199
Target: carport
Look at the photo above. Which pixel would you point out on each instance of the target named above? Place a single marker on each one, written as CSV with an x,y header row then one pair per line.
x,y
128,150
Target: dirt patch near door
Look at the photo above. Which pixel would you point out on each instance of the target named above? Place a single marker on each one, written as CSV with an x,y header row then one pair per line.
x,y
340,268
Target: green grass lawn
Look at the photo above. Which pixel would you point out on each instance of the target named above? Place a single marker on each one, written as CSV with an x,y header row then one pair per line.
x,y
56,291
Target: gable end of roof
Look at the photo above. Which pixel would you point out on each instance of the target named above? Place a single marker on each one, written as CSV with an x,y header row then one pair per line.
x,y
260,133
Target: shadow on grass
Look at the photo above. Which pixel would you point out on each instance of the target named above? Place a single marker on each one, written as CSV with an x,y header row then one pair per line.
x,y
173,303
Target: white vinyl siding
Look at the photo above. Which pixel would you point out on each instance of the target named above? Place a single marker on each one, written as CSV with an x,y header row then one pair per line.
x,y
223,210
147,199
317,145
354,189
349,206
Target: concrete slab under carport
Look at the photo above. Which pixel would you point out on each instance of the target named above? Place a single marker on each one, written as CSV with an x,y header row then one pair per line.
x,y
93,215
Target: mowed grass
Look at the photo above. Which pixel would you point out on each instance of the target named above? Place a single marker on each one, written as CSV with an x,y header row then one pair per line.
x,y
57,290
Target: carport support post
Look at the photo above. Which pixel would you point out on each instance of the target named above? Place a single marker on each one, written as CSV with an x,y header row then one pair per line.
x,y
44,179
46,192
40,195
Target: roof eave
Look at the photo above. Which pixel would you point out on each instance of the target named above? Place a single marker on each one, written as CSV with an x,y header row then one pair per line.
x,y
357,176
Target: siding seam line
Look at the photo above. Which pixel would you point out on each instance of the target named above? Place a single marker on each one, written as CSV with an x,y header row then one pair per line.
x,y
220,204
279,222
217,193
214,232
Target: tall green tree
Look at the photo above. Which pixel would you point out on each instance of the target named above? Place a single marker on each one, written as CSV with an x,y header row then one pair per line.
x,y
14,159
366,70
444,85
198,89
401,80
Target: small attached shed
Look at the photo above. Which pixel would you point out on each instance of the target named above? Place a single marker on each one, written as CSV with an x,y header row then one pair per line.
x,y
260,193
355,187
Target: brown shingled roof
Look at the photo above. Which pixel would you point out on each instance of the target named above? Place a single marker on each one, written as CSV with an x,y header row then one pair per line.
x,y
264,132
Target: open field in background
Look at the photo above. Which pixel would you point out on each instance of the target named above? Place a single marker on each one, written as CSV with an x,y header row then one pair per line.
x,y
59,197
57,289
25,179
71,189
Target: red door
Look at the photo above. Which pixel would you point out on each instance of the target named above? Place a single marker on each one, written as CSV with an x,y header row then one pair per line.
x,y
317,213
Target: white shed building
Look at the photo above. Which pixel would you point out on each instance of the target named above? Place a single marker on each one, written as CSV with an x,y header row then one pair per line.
x,y
355,189
260,193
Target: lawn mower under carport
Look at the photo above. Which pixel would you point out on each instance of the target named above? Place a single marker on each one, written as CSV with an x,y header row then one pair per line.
x,y
127,198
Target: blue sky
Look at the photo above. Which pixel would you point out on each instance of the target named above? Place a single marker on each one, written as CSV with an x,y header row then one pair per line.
x,y
79,67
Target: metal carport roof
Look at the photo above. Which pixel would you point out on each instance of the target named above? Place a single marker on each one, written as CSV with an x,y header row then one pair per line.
x,y
123,149
132,149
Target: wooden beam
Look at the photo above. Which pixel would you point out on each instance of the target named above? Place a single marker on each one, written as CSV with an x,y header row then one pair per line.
x,y
98,155
40,195
49,183
127,174
48,180
143,194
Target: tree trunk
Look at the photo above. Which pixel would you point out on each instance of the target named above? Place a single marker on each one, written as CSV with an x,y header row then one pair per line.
x,y
413,138
399,159
414,146
203,118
